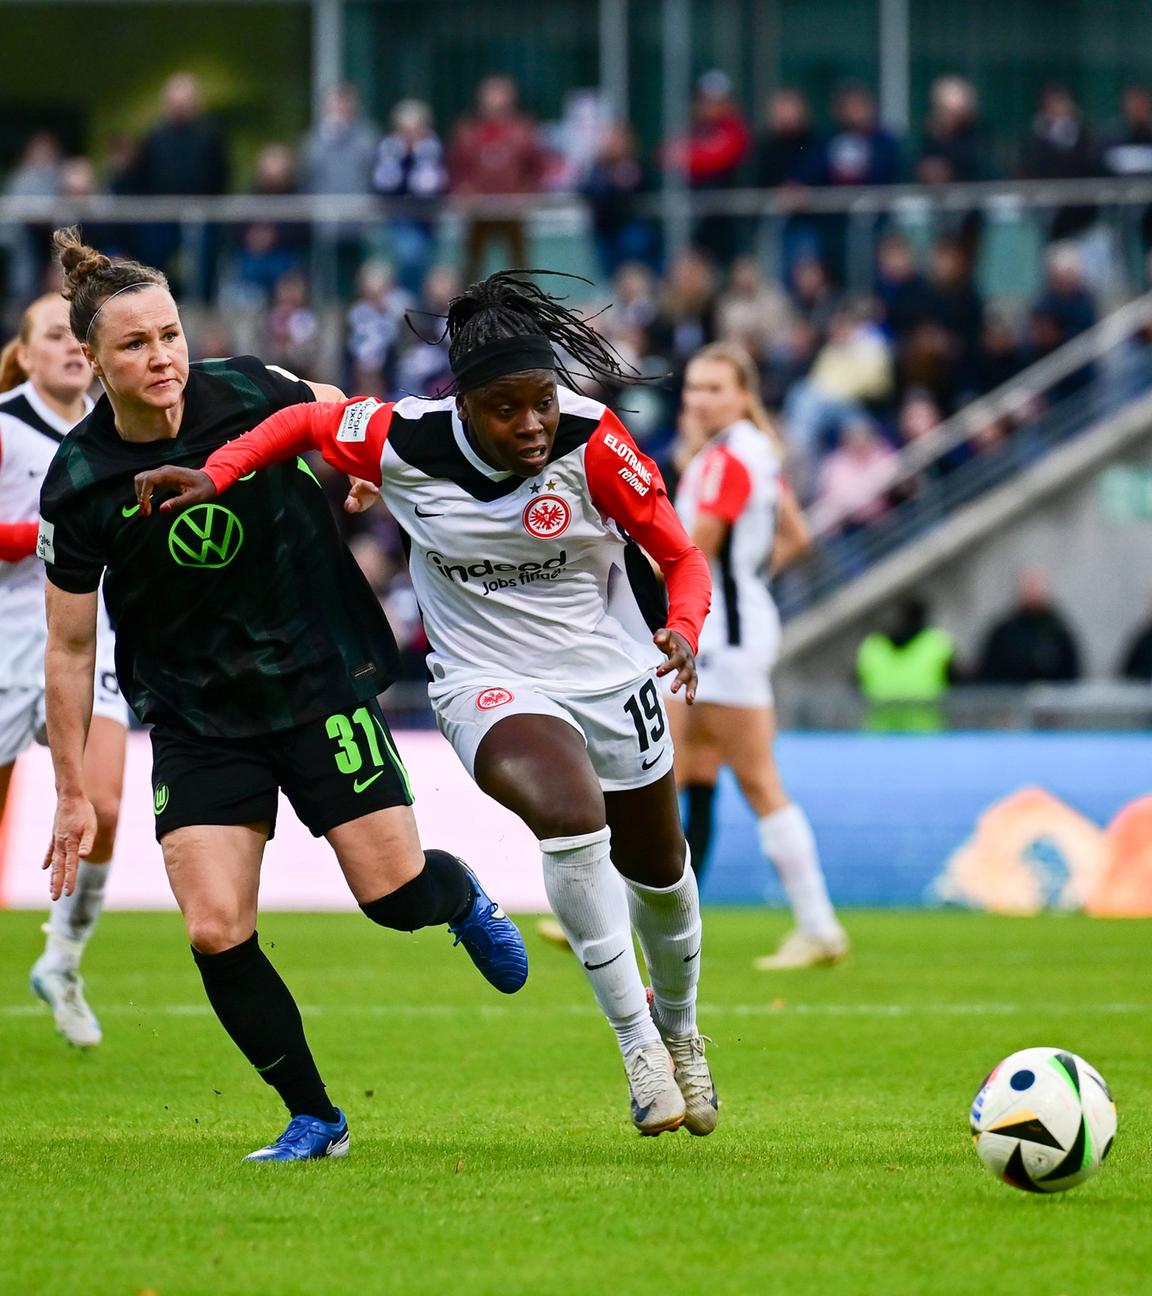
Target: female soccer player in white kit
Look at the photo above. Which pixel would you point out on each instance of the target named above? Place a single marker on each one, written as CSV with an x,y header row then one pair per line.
x,y
739,511
523,503
44,382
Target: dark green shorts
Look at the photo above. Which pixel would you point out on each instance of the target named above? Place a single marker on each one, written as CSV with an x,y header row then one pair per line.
x,y
332,770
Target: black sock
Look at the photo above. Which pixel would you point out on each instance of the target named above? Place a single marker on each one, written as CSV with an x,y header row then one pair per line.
x,y
440,893
698,823
257,1009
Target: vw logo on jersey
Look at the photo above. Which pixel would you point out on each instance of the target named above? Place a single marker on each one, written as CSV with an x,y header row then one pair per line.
x,y
546,516
208,535
493,697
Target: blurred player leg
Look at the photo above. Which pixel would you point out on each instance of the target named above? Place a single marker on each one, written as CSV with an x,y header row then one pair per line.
x,y
72,920
700,798
55,977
697,765
785,838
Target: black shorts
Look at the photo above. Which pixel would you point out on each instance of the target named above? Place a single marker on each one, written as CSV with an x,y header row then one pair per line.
x,y
332,769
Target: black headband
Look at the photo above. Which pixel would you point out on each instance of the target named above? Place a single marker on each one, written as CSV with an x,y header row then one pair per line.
x,y
505,356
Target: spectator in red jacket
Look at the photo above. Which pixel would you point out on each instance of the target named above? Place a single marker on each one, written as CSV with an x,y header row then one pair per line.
x,y
710,155
496,151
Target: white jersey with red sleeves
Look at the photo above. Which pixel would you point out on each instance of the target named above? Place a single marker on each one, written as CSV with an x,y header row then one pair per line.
x,y
533,575
30,434
736,477
541,577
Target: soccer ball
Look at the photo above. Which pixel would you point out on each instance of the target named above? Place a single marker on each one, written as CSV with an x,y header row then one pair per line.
x,y
1044,1120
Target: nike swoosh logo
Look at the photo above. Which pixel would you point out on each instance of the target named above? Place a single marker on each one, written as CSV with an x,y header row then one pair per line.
x,y
689,957
426,514
127,510
359,785
593,967
649,763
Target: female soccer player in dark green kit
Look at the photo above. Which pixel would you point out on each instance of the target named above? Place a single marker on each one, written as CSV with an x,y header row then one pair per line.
x,y
249,640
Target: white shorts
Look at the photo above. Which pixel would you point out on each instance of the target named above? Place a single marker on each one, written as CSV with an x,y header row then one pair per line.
x,y
735,676
107,700
22,719
625,729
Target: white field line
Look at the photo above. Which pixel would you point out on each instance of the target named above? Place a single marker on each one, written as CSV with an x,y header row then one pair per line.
x,y
769,1009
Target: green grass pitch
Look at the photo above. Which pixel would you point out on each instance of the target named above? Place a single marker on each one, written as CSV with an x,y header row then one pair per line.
x,y
491,1146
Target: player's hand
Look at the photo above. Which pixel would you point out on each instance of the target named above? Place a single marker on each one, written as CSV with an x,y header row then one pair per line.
x,y
73,833
190,484
361,496
681,659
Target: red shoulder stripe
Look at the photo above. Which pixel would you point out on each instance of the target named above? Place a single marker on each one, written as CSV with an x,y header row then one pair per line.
x,y
626,485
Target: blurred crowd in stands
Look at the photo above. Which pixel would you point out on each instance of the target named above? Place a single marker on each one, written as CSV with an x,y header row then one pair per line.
x,y
854,377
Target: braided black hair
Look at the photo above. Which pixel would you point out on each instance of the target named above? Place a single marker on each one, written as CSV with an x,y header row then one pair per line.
x,y
508,305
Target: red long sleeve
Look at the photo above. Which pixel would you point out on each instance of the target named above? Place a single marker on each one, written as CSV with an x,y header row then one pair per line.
x,y
626,485
17,540
349,434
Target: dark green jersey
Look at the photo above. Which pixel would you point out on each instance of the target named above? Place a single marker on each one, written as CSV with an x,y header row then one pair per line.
x,y
237,617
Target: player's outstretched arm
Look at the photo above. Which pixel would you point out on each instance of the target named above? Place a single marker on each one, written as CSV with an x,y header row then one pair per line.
x,y
350,435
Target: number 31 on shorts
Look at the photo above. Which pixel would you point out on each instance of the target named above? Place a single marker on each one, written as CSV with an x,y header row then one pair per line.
x,y
349,757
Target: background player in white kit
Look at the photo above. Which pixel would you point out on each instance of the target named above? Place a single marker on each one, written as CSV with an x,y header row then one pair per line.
x,y
44,382
518,498
741,514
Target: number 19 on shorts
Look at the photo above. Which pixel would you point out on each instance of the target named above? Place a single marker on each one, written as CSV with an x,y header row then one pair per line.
x,y
647,715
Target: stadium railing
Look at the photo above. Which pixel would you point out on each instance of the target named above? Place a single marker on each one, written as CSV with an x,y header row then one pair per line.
x,y
1016,219
1095,375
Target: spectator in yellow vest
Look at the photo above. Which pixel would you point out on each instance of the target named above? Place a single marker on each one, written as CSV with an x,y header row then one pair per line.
x,y
904,670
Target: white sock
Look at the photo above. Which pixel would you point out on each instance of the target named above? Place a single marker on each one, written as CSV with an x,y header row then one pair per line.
x,y
73,918
588,898
786,838
667,920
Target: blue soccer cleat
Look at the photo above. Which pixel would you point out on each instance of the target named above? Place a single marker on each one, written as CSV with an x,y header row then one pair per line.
x,y
306,1139
492,940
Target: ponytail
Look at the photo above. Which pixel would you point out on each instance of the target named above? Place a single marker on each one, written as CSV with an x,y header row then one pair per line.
x,y
11,370
91,279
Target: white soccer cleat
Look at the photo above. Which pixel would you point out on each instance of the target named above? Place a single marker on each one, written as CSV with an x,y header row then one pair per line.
x,y
63,992
694,1079
657,1103
800,950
